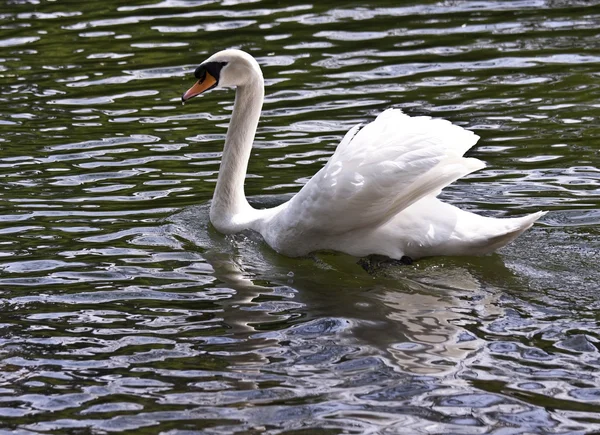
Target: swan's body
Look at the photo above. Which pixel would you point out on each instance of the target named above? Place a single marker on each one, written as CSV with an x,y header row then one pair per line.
x,y
376,194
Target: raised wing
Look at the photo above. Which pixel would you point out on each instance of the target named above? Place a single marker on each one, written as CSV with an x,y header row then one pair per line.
x,y
379,170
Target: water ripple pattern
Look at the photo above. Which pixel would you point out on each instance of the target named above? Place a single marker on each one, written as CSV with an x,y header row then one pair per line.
x,y
122,309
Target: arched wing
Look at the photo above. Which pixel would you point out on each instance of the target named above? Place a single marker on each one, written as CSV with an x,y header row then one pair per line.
x,y
379,170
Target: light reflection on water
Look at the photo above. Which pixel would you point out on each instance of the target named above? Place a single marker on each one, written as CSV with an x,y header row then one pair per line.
x,y
123,309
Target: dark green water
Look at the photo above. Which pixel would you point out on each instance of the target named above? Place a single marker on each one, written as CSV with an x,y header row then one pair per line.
x,y
121,310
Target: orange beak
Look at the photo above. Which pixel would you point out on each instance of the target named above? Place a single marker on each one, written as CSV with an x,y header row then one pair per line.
x,y
200,86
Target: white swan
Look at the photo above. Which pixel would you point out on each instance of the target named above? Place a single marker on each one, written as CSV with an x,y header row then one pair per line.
x,y
376,194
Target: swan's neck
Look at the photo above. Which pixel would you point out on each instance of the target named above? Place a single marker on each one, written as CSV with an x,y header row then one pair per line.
x,y
230,211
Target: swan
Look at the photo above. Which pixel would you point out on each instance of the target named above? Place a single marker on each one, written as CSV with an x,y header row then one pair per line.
x,y
377,194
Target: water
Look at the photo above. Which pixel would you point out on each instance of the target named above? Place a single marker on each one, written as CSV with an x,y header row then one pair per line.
x,y
122,310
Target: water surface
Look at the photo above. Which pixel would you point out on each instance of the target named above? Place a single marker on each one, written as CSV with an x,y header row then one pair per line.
x,y
122,310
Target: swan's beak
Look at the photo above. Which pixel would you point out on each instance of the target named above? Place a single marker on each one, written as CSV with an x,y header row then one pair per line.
x,y
200,86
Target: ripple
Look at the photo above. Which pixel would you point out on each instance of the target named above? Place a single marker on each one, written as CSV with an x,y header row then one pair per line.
x,y
38,266
11,42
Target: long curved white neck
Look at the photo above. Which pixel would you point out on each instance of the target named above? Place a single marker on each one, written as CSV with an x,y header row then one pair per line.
x,y
230,211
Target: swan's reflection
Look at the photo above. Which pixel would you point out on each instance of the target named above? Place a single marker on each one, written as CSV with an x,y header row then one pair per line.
x,y
417,317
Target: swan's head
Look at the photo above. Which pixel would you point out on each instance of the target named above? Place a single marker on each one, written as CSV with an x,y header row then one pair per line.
x,y
226,68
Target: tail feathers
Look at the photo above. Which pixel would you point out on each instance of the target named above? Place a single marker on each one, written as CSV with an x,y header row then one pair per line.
x,y
505,231
447,230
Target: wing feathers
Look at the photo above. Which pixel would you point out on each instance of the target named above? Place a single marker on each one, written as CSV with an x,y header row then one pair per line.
x,y
379,170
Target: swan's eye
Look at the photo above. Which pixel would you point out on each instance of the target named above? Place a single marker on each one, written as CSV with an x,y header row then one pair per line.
x,y
200,73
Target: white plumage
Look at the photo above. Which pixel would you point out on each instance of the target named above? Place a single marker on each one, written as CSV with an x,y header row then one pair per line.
x,y
376,194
